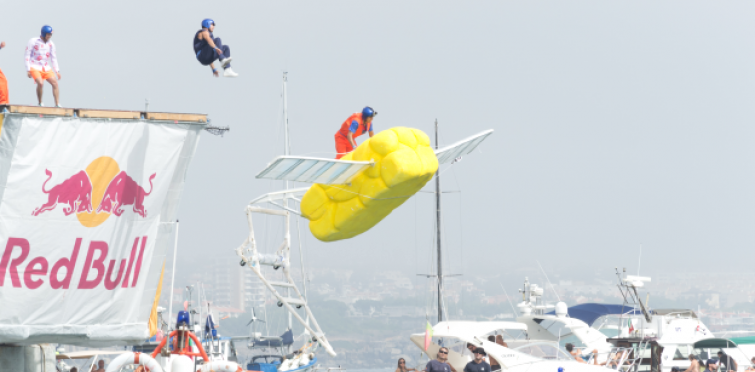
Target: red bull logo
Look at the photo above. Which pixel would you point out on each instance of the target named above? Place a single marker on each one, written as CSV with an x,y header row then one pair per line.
x,y
95,193
32,273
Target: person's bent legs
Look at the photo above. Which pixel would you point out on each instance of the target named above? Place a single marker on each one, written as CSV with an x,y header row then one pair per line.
x,y
3,89
225,52
55,89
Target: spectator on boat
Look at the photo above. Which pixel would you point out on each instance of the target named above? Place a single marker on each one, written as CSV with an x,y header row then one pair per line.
x,y
100,364
209,49
402,366
470,350
441,363
727,363
499,341
711,365
478,364
42,63
3,83
579,357
694,365
751,368
494,366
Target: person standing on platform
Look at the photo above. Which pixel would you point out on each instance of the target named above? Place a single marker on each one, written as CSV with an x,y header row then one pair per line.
x,y
3,83
42,64
209,49
353,127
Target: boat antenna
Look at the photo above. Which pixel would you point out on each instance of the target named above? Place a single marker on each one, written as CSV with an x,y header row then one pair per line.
x,y
286,151
437,227
507,298
549,281
639,261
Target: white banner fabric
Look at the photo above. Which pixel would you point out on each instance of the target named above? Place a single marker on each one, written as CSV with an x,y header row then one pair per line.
x,y
87,214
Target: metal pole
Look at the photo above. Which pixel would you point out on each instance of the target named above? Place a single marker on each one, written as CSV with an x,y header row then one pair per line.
x,y
286,152
438,225
173,277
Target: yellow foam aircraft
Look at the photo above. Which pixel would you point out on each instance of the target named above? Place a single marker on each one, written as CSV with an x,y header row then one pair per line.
x,y
352,194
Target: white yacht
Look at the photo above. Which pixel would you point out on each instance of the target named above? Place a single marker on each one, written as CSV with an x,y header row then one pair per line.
x,y
646,339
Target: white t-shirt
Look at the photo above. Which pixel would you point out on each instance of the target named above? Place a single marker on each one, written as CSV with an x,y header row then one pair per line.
x,y
41,56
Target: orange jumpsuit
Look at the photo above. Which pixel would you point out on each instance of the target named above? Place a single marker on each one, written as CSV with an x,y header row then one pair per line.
x,y
3,89
343,146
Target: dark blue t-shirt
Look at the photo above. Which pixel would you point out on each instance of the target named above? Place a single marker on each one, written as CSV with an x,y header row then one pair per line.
x,y
477,367
437,366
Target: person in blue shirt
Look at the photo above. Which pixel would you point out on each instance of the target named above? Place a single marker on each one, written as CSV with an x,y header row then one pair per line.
x,y
209,49
440,364
478,364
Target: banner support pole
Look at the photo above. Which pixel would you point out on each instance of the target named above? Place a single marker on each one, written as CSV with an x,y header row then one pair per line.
x,y
173,277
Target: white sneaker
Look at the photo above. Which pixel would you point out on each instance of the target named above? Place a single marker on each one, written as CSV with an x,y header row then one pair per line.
x,y
59,106
225,62
229,73
41,104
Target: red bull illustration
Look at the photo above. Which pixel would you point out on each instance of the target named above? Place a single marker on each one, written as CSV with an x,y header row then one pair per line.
x,y
97,192
123,190
75,193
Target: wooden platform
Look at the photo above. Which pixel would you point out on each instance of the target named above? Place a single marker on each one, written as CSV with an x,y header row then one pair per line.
x,y
104,114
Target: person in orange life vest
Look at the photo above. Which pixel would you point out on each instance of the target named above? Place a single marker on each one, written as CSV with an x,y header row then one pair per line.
x,y
3,83
353,127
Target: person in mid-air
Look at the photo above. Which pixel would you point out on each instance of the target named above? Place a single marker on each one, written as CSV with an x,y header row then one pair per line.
x,y
353,127
3,83
42,63
208,49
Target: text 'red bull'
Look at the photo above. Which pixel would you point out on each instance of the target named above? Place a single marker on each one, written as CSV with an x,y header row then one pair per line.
x,y
37,268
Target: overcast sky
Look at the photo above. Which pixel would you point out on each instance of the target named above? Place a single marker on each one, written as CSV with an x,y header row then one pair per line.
x,y
616,123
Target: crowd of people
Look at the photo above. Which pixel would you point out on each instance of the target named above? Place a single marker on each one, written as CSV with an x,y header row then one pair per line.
x,y
480,362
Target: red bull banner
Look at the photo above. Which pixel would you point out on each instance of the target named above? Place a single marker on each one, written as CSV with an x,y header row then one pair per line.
x,y
87,216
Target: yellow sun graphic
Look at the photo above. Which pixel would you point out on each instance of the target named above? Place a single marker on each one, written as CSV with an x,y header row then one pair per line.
x,y
101,171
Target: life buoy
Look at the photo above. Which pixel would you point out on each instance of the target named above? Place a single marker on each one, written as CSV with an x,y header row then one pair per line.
x,y
219,366
134,358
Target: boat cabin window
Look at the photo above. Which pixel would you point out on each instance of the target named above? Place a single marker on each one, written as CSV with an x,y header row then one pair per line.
x,y
682,352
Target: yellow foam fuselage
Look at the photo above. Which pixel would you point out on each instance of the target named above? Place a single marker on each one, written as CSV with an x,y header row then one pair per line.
x,y
404,163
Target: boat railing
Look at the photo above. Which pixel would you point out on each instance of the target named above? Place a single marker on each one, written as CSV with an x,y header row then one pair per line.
x,y
622,358
327,369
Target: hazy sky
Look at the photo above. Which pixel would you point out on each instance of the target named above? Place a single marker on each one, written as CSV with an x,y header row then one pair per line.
x,y
617,123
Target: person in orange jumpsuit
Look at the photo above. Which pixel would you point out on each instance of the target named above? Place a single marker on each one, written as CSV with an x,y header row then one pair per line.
x,y
353,127
3,84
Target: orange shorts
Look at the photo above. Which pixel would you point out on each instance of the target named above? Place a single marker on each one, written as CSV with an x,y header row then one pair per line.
x,y
44,75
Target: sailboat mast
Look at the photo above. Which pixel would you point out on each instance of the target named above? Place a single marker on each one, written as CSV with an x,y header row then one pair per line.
x,y
438,225
286,150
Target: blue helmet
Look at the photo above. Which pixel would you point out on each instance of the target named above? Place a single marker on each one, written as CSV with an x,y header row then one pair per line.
x,y
207,23
46,30
368,112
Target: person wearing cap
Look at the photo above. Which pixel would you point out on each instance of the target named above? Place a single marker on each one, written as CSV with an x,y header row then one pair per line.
x,y
727,363
3,83
711,365
478,364
441,363
209,49
41,61
353,127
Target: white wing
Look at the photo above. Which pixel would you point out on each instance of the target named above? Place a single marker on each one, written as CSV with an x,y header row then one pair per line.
x,y
313,170
449,153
